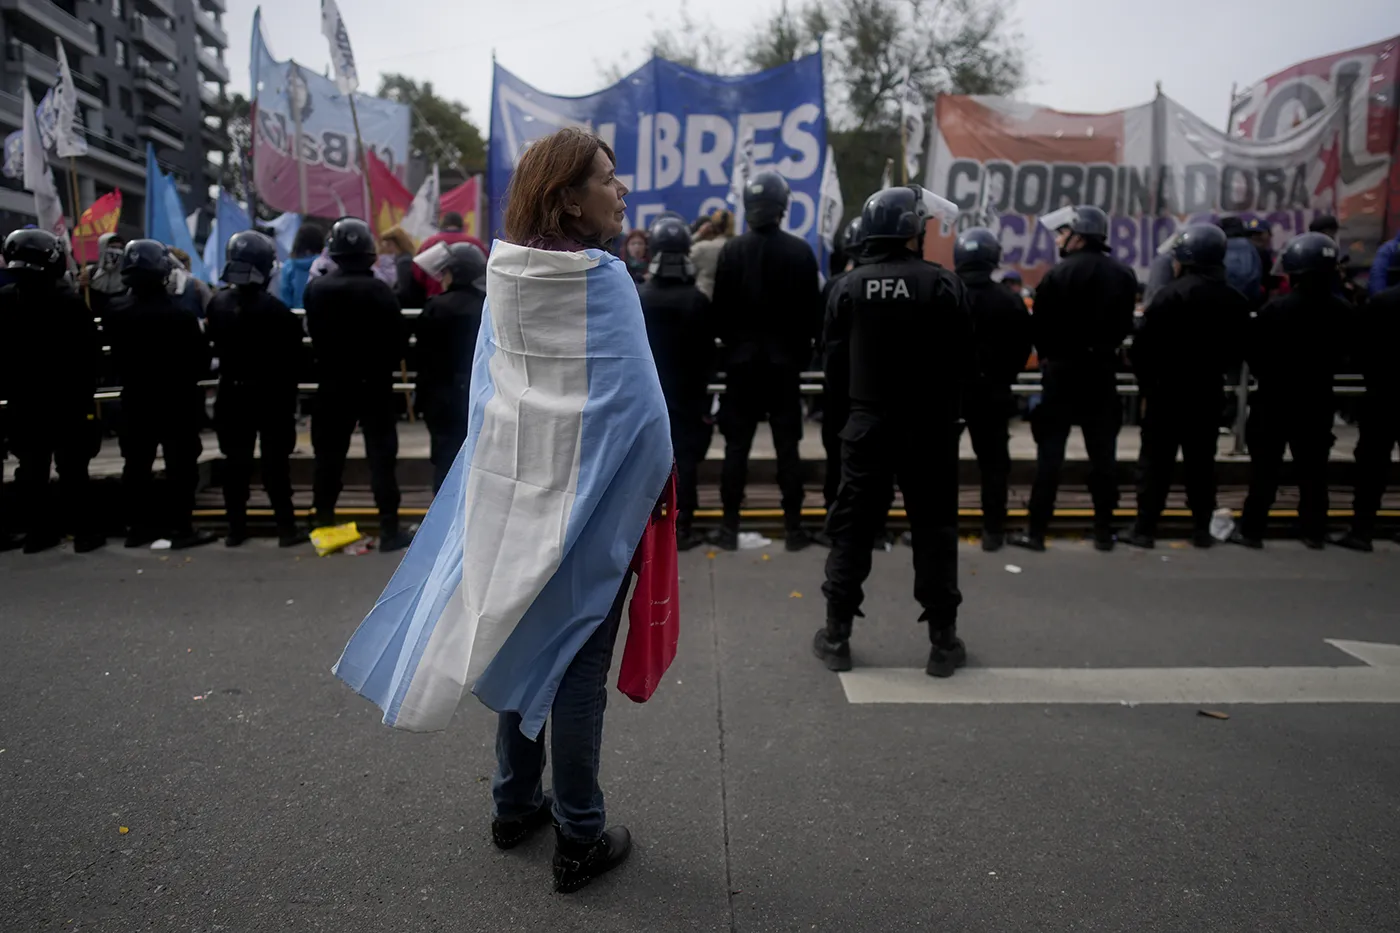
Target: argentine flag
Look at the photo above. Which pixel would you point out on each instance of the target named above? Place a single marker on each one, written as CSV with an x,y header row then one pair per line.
x,y
522,554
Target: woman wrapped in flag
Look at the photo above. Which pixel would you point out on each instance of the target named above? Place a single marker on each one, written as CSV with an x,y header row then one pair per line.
x,y
516,581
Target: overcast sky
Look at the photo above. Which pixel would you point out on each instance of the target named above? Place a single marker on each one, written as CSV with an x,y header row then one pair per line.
x,y
1079,58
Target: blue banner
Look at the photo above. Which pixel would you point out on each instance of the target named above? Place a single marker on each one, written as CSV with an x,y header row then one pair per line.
x,y
165,215
675,132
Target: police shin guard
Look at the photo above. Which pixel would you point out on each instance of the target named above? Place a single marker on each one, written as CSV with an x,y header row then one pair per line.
x,y
948,652
832,644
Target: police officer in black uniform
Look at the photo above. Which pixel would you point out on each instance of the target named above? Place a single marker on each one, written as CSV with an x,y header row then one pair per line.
x,y
1380,409
1083,311
161,355
906,329
446,332
1295,347
767,304
258,342
1002,336
1191,334
48,366
681,331
358,336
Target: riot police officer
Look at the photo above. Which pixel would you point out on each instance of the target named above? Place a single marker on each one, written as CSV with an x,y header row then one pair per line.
x,y
682,336
358,336
1191,334
48,366
1295,347
258,342
161,354
1083,311
1001,328
906,329
447,331
768,308
1380,409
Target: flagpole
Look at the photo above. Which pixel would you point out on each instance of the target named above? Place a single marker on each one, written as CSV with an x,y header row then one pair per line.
x,y
364,167
903,150
77,216
296,149
1242,387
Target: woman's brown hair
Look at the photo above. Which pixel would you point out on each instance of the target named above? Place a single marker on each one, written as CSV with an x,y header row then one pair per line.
x,y
551,166
399,237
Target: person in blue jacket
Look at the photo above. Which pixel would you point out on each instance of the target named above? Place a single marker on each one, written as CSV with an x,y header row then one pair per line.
x,y
1385,257
296,271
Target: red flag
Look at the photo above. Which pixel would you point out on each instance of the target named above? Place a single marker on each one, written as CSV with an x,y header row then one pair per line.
x,y
100,218
465,199
391,199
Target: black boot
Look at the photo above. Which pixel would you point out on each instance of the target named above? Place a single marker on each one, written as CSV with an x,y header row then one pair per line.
x,y
797,539
290,535
1029,540
89,542
1202,537
37,542
237,532
577,863
992,541
727,539
1139,538
392,539
9,542
832,644
687,538
1104,539
323,520
140,537
1354,542
1244,540
948,652
1313,544
192,538
507,834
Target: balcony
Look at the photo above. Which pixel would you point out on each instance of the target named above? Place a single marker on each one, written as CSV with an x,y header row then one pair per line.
x,y
158,88
216,139
214,6
213,99
38,66
212,32
11,110
146,33
161,132
164,8
209,66
50,18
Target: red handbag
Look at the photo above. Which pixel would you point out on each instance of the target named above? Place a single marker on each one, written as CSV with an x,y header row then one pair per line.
x,y
653,618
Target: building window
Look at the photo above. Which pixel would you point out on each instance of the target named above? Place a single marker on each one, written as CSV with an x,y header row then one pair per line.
x,y
117,11
125,97
129,142
104,91
119,52
101,38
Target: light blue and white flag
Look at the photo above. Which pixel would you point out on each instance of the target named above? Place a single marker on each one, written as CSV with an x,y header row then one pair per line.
x,y
524,550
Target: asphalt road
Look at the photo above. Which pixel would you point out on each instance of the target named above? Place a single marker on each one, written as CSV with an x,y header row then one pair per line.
x,y
191,702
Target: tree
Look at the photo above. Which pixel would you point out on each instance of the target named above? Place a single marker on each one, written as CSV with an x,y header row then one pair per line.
x,y
442,130
688,42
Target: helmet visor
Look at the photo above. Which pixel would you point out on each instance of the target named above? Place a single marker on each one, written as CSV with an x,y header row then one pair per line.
x,y
940,207
1058,218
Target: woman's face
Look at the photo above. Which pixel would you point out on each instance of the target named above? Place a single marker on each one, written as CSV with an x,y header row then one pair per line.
x,y
705,231
636,248
599,207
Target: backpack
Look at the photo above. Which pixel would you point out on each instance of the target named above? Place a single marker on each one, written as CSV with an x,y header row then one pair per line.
x,y
1243,269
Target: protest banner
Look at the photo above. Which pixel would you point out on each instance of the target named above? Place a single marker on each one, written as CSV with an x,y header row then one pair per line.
x,y
675,131
102,217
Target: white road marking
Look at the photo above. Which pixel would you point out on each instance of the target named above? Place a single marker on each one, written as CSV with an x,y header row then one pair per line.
x,y
1376,682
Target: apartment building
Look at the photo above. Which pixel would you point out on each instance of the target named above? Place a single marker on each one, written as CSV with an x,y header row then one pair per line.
x,y
145,70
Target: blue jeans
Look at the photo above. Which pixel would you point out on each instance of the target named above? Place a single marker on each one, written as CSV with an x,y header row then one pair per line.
x,y
576,739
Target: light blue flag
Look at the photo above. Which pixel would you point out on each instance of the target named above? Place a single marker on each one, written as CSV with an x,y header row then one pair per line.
x,y
213,253
165,215
284,228
523,552
229,218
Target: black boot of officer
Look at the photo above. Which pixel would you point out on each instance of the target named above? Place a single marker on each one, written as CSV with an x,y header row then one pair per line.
x,y
161,355
447,332
682,336
49,345
1380,410
1083,311
1002,335
1296,345
259,345
1191,334
768,308
903,327
359,338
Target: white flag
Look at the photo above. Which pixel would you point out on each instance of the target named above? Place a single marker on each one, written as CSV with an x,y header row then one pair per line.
x,y
46,117
342,58
69,140
911,113
421,220
831,207
38,177
14,155
739,177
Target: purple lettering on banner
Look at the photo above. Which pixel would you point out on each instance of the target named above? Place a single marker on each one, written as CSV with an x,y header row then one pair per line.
x,y
1042,249
1017,225
1163,229
1122,233
1144,240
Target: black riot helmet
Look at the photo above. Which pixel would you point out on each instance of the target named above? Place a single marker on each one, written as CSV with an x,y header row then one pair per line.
x,y
668,235
976,248
1089,221
145,263
766,199
351,239
1309,254
1200,245
34,252
249,258
665,215
853,240
466,265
